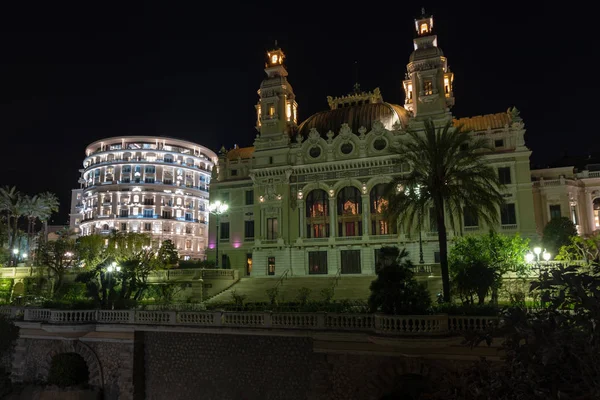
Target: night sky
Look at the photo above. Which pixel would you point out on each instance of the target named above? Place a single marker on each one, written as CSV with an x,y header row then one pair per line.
x,y
73,75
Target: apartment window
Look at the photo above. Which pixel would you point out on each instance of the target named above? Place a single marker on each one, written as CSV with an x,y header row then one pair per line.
x,y
148,213
188,244
428,87
225,197
188,229
271,265
166,214
508,215
249,229
123,226
350,261
436,257
554,211
149,202
126,169
504,175
188,217
271,228
224,234
149,169
249,197
148,180
499,143
234,172
147,226
124,213
317,262
470,217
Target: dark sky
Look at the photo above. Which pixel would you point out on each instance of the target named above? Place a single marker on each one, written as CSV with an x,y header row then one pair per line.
x,y
74,74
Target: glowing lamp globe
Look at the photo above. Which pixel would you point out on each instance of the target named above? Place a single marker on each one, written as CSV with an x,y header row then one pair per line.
x,y
529,257
546,256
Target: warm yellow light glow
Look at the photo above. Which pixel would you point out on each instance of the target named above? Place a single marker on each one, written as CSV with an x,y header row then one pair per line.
x,y
410,91
271,110
424,28
447,86
258,115
288,111
274,59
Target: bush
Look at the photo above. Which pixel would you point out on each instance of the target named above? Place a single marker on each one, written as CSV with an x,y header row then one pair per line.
x,y
81,304
327,294
303,295
238,299
483,310
558,233
68,369
395,291
272,294
6,286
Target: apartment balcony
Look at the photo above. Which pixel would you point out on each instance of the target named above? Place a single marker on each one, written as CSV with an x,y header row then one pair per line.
x,y
203,188
142,161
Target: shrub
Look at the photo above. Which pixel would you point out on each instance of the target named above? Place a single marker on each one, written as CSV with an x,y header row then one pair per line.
x,y
327,294
558,233
483,310
238,299
303,295
68,369
395,291
6,286
272,294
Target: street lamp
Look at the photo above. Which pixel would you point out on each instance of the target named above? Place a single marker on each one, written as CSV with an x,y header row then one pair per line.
x,y
217,208
531,257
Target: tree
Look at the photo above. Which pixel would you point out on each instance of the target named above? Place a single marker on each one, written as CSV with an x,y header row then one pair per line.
x,y
395,291
11,203
558,233
478,263
585,248
50,205
168,254
448,173
58,255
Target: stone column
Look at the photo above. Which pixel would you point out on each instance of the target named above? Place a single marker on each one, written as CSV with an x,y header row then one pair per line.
x,y
366,214
302,209
332,217
589,210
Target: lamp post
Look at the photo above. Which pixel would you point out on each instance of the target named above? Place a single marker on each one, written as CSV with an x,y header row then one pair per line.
x,y
113,267
217,208
16,256
417,192
534,258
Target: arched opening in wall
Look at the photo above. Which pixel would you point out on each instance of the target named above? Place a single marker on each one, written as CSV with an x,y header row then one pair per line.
x,y
597,213
18,290
349,208
68,369
317,214
379,203
408,387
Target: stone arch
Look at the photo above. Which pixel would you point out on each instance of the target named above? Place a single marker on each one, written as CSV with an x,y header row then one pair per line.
x,y
72,346
342,183
312,186
376,180
18,288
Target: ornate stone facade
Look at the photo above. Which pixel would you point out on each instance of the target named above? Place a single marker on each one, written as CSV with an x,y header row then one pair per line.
x,y
307,198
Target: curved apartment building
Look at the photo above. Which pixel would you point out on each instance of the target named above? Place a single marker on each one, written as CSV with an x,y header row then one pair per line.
x,y
146,184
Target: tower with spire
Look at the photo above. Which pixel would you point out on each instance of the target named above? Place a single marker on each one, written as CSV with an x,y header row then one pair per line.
x,y
277,110
428,84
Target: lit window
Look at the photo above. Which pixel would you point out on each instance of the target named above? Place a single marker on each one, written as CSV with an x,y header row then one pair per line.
x,y
424,28
447,86
271,110
288,111
428,87
274,59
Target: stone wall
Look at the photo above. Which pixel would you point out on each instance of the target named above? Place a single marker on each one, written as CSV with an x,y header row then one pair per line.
x,y
181,366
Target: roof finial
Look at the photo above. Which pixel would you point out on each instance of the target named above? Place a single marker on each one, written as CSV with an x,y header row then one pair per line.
x,y
423,11
275,43
356,84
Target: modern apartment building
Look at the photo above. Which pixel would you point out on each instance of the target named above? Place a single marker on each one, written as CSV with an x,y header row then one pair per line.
x,y
147,184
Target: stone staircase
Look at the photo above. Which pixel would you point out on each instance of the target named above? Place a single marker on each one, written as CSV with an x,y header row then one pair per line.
x,y
255,289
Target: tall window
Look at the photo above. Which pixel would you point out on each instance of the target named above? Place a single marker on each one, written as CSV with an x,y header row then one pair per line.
x,y
317,262
574,217
428,87
350,261
271,265
317,214
123,226
166,214
470,218
272,228
148,213
249,229
124,213
249,197
147,226
349,204
554,211
508,215
224,230
504,175
379,225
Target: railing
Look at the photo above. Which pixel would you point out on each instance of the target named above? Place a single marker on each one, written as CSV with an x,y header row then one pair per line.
x,y
399,325
281,278
510,227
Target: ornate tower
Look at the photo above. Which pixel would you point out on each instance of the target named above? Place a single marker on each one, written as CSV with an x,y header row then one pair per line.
x,y
277,110
428,84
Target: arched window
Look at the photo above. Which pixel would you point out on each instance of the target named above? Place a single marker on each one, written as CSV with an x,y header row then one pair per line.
x,y
597,213
317,214
378,202
349,209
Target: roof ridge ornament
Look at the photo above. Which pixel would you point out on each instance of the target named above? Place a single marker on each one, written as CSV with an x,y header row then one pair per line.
x,y
355,98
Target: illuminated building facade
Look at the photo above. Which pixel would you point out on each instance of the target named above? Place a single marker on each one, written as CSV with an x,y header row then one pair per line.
x,y
146,184
307,198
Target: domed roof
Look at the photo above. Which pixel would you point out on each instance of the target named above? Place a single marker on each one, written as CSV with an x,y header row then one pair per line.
x,y
425,53
359,110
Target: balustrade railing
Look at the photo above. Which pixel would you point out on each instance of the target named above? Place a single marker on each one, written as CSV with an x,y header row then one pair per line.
x,y
394,325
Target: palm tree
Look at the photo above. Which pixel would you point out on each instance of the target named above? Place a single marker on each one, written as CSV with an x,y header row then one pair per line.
x,y
449,174
33,209
50,205
11,202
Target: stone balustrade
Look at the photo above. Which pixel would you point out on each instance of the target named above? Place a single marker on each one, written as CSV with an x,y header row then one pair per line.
x,y
399,325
